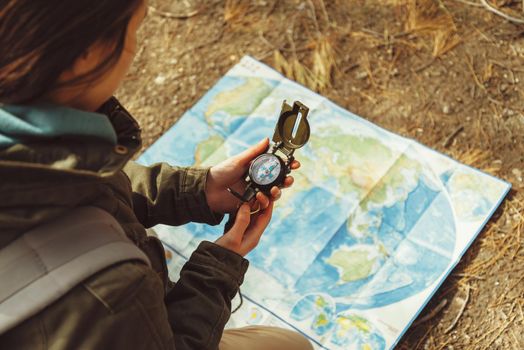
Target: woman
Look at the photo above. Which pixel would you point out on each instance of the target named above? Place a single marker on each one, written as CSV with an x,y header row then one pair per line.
x,y
65,143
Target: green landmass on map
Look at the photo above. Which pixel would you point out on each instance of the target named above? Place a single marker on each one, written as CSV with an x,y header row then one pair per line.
x,y
356,161
206,148
347,322
353,264
240,101
395,178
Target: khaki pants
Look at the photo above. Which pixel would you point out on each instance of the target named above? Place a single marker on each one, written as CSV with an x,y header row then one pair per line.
x,y
263,338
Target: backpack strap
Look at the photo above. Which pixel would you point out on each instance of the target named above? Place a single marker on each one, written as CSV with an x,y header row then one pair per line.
x,y
45,263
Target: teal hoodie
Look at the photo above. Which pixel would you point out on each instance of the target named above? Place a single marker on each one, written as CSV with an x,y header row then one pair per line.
x,y
24,124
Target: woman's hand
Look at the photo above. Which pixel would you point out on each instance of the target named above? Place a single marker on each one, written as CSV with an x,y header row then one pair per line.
x,y
230,173
245,233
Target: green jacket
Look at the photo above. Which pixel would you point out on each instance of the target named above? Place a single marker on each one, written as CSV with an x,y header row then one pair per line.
x,y
129,305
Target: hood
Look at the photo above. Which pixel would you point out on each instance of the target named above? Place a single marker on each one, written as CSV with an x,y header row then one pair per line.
x,y
40,123
60,139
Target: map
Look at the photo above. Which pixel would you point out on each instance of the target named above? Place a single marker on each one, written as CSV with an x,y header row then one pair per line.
x,y
372,226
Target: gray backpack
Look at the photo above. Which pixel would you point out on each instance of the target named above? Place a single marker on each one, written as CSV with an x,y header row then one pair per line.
x,y
45,263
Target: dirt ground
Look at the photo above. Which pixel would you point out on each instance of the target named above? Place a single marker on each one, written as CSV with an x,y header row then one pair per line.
x,y
448,73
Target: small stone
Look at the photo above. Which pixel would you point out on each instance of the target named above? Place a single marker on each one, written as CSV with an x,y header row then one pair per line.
x,y
446,109
508,112
518,174
160,80
361,75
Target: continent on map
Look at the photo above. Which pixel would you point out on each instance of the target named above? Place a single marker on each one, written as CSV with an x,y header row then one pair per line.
x,y
227,110
356,161
242,100
473,194
356,332
356,262
206,148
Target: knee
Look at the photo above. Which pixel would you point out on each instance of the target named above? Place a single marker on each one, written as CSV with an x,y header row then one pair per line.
x,y
301,342
295,340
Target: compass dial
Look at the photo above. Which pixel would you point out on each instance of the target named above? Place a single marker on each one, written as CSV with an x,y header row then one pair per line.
x,y
265,169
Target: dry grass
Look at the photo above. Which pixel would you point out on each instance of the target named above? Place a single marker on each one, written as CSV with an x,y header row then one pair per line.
x,y
316,75
477,158
235,11
324,63
316,68
431,17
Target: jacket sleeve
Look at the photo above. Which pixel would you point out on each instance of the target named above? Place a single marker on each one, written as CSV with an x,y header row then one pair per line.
x,y
163,194
199,305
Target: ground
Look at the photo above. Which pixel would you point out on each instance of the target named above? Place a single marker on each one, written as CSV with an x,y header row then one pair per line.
x,y
448,73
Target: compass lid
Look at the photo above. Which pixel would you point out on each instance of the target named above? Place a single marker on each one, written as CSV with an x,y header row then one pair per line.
x,y
292,128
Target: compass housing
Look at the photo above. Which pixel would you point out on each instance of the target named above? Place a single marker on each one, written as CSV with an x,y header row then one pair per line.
x,y
267,170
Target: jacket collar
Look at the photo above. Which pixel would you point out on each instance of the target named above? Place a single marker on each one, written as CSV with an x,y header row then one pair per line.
x,y
33,123
102,148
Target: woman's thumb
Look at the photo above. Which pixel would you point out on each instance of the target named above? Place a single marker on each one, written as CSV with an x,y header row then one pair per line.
x,y
249,154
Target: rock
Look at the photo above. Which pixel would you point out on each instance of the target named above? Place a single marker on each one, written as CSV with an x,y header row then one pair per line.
x,y
507,112
446,109
361,75
518,174
160,80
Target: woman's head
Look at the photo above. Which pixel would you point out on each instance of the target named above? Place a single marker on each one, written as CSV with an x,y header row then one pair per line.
x,y
69,52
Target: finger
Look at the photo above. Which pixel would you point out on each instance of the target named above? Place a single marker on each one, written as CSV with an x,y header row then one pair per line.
x,y
241,224
275,193
289,181
249,154
257,227
262,200
295,164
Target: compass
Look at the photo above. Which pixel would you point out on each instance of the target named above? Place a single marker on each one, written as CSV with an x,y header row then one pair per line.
x,y
266,171
270,169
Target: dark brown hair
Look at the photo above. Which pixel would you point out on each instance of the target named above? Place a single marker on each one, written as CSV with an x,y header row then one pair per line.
x,y
40,39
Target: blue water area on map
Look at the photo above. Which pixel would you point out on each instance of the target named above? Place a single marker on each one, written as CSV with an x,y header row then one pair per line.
x,y
178,145
418,236
294,237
